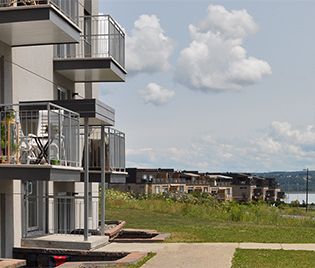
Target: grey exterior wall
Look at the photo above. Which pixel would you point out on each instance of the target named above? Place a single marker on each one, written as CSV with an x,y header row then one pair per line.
x,y
32,78
6,73
27,85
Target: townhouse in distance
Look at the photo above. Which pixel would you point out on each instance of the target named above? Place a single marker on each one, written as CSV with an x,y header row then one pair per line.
x,y
241,187
56,134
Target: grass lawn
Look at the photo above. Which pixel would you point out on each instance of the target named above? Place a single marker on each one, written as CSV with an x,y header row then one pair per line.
x,y
187,229
141,262
264,258
211,221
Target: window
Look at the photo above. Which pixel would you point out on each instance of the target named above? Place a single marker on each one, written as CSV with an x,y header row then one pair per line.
x,y
2,79
62,93
32,206
157,189
64,214
181,188
205,189
2,225
87,34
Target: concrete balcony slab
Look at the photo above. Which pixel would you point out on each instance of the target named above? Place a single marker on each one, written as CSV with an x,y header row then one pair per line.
x,y
90,69
65,241
36,25
39,172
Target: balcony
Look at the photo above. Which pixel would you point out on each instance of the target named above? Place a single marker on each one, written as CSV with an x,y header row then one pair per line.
x,y
114,155
39,22
100,55
39,141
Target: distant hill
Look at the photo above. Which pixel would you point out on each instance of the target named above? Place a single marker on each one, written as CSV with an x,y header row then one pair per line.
x,y
294,181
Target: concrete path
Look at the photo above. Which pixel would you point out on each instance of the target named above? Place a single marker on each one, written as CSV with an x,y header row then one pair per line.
x,y
196,255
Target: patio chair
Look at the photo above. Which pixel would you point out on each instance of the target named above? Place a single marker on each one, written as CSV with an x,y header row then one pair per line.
x,y
55,146
29,150
54,152
23,3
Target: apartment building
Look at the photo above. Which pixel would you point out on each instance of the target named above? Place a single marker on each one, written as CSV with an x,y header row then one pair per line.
x,y
222,188
161,180
240,187
53,55
243,186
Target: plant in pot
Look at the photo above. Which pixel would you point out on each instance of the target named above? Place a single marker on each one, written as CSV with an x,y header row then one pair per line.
x,y
8,137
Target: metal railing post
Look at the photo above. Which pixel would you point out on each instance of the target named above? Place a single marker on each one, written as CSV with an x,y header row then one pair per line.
x,y
59,137
109,52
102,179
49,131
86,178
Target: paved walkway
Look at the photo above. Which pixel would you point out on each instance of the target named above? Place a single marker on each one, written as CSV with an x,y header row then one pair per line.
x,y
196,255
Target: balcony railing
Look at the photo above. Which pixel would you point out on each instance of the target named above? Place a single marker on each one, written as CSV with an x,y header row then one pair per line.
x,y
64,211
114,149
101,37
39,134
70,8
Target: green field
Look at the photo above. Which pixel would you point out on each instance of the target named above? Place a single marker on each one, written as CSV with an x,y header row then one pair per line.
x,y
263,258
205,220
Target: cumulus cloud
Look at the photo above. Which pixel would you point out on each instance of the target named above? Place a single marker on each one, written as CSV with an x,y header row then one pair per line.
x,y
215,60
156,95
148,48
280,147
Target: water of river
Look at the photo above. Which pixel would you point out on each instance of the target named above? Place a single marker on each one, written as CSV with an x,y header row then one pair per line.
x,y
300,197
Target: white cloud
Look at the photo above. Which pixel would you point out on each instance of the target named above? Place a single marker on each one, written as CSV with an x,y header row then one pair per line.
x,y
156,95
215,60
280,147
148,49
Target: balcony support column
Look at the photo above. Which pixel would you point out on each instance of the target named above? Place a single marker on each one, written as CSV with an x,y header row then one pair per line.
x,y
102,179
86,179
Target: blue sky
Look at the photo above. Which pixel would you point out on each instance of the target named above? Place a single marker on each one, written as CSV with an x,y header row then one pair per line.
x,y
216,85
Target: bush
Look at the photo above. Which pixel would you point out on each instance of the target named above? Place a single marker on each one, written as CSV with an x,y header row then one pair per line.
x,y
295,203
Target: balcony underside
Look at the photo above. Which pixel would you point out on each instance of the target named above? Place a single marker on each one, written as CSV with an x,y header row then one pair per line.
x,y
39,172
97,112
36,25
90,70
111,177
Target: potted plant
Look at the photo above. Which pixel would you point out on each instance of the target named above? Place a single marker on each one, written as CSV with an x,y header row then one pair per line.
x,y
8,137
55,162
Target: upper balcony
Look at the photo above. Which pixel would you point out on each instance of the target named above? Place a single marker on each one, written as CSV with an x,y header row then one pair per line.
x,y
39,141
100,55
39,22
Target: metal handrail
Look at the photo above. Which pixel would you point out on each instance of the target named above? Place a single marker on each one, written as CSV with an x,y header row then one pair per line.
x,y
101,37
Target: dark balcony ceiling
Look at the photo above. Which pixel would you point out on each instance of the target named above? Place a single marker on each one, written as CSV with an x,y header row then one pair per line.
x,y
96,111
90,69
39,172
36,25
95,176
